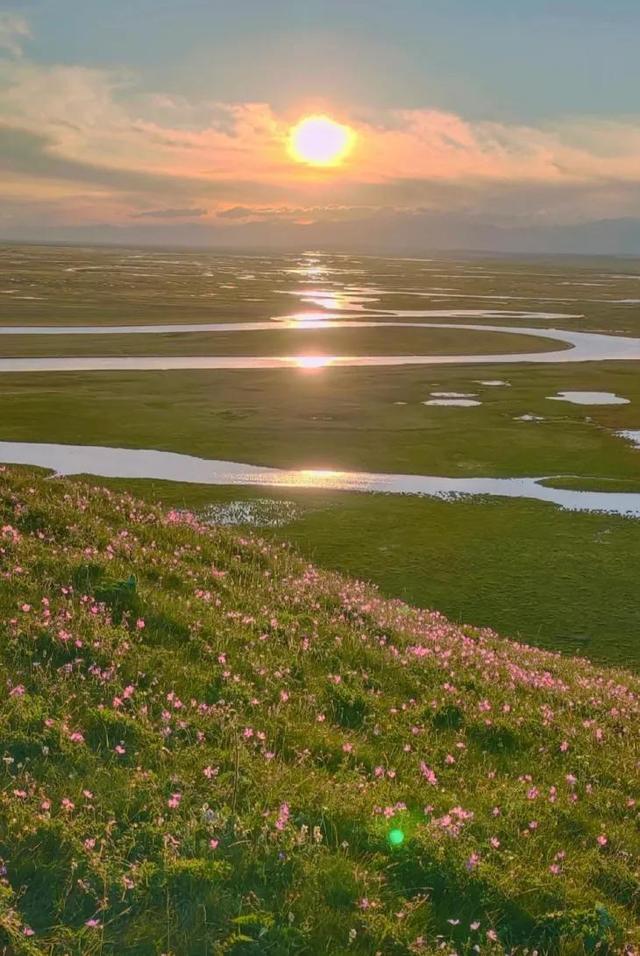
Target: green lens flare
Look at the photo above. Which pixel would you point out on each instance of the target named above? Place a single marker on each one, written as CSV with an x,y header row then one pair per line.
x,y
396,837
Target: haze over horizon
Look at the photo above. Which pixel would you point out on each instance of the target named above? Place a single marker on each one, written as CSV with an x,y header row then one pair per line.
x,y
508,126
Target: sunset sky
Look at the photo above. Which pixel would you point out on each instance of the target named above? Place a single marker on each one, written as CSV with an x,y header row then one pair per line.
x,y
475,124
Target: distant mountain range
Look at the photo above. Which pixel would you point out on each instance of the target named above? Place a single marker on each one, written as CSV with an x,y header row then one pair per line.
x,y
397,234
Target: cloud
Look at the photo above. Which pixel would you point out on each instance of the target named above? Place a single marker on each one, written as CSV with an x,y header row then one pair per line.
x,y
330,213
170,214
134,155
13,30
36,160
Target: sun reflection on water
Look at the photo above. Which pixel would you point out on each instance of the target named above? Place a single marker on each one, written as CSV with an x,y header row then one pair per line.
x,y
320,473
313,361
326,300
309,271
314,478
303,317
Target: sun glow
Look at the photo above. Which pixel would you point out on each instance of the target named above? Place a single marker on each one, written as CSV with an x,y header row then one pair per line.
x,y
320,141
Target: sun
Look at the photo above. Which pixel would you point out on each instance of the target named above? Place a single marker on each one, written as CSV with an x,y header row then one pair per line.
x,y
320,141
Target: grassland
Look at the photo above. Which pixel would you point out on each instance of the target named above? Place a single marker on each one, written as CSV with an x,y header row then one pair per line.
x,y
558,579
510,564
341,418
278,342
210,746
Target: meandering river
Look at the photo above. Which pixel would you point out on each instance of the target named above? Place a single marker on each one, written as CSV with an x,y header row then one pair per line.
x,y
170,466
576,347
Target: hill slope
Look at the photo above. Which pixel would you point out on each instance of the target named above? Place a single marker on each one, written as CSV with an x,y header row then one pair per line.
x,y
212,747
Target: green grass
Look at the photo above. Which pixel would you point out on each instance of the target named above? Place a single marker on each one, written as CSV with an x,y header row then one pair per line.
x,y
169,685
513,565
340,418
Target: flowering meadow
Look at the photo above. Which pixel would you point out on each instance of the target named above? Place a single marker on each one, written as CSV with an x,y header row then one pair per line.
x,y
210,746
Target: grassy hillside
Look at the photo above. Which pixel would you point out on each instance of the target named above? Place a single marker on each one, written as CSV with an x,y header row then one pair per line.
x,y
212,747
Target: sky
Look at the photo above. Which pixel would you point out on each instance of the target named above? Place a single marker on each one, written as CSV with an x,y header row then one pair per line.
x,y
483,124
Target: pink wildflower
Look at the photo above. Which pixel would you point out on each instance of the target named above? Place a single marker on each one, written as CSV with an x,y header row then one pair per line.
x,y
283,816
428,774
